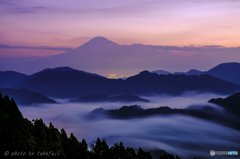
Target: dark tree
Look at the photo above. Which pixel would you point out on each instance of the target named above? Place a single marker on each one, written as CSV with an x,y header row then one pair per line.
x,y
20,134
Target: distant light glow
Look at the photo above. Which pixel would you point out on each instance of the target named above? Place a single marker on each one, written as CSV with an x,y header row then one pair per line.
x,y
112,76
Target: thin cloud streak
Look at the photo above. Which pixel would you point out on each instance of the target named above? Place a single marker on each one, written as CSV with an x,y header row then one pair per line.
x,y
148,22
39,47
125,60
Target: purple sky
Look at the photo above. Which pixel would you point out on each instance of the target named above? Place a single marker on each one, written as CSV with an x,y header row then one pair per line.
x,y
45,28
60,23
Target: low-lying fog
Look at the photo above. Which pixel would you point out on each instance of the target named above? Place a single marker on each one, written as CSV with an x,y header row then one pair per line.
x,y
181,135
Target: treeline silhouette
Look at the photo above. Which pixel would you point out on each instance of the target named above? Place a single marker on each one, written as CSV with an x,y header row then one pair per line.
x,y
18,134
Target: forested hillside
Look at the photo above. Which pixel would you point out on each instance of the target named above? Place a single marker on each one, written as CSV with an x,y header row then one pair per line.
x,y
33,139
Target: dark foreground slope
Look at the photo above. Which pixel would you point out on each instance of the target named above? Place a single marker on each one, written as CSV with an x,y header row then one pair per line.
x,y
26,97
21,138
74,84
18,134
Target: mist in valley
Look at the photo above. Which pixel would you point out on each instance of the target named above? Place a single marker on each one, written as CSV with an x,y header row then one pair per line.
x,y
182,135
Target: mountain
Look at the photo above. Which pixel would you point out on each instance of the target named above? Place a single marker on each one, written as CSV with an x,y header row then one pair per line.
x,y
25,97
161,72
74,84
85,57
67,83
179,73
99,42
231,103
62,69
227,71
194,72
177,84
133,111
104,98
10,78
190,72
102,56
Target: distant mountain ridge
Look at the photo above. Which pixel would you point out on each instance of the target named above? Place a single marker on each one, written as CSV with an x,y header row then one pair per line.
x,y
136,111
190,72
73,84
25,97
58,83
161,72
135,57
227,71
10,78
104,98
98,42
194,72
62,69
229,116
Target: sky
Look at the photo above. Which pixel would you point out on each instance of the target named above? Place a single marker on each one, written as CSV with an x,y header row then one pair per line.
x,y
59,23
45,28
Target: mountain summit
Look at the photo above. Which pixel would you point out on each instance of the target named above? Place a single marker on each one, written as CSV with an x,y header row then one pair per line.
x,y
99,42
227,71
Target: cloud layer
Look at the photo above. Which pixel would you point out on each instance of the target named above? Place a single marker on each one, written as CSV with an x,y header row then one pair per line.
x,y
185,136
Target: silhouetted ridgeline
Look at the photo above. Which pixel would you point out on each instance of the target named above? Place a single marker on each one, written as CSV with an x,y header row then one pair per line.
x,y
226,71
104,98
11,78
26,97
135,111
18,134
231,103
74,84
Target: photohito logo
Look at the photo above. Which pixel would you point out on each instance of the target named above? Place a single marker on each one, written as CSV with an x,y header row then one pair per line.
x,y
212,152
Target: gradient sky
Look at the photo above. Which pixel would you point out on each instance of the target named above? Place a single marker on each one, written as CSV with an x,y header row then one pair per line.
x,y
44,28
60,23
